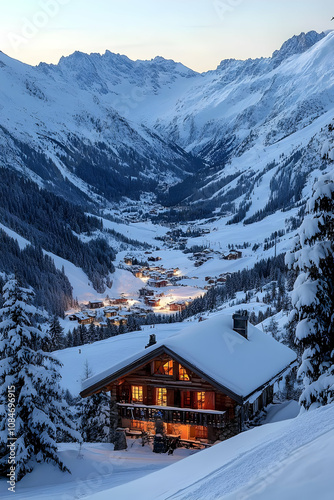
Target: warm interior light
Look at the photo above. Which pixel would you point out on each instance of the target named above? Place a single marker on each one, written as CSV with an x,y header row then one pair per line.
x,y
137,393
183,375
161,396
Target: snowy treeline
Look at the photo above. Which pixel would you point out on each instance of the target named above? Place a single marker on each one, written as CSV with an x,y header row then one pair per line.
x,y
53,291
52,223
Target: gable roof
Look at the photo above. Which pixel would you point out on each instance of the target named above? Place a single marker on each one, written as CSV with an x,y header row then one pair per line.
x,y
213,350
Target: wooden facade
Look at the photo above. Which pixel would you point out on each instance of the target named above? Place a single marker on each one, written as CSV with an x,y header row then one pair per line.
x,y
95,304
188,405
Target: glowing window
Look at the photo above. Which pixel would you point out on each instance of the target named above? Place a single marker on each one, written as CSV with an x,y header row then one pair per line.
x,y
200,399
163,367
161,396
137,393
183,375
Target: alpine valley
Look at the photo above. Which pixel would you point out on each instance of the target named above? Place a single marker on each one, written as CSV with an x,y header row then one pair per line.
x,y
101,156
177,231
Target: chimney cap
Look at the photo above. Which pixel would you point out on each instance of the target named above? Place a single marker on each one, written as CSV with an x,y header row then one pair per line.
x,y
152,340
242,314
240,323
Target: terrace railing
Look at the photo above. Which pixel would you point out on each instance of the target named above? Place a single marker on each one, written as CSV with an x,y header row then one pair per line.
x,y
174,415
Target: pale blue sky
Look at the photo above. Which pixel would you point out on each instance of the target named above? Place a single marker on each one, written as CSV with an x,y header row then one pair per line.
x,y
198,33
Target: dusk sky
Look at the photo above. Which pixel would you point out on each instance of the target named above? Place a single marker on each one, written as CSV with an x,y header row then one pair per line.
x,y
198,33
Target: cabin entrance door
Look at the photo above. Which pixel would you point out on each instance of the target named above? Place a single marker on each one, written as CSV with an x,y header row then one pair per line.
x,y
177,398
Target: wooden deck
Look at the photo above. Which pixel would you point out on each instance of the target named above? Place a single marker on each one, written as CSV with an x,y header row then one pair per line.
x,y
174,415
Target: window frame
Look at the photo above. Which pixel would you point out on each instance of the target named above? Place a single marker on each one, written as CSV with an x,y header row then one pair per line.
x,y
162,397
183,374
160,371
140,390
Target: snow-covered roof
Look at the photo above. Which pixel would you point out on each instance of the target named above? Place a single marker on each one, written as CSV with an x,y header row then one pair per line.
x,y
213,348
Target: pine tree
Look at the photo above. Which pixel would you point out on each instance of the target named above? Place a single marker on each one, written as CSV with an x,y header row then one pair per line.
x,y
91,333
34,378
273,328
94,415
312,257
69,339
56,335
133,324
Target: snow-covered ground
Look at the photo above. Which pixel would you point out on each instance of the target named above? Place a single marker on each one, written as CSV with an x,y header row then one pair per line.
x,y
291,458
94,467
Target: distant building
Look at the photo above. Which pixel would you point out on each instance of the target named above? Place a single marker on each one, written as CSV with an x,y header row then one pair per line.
x,y
95,304
179,306
152,302
82,318
233,255
159,283
128,259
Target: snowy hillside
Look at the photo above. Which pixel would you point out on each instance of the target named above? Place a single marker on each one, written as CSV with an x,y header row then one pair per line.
x,y
287,459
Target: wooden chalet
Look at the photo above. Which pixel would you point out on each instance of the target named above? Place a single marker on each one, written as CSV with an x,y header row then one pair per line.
x,y
233,255
158,283
95,304
203,382
178,306
118,320
110,311
83,318
118,301
152,301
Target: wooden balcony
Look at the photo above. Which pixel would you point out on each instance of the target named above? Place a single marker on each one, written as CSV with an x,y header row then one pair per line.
x,y
173,415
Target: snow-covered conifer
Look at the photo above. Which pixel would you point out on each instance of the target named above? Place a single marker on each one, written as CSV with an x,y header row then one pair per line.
x,y
94,415
56,335
33,375
312,257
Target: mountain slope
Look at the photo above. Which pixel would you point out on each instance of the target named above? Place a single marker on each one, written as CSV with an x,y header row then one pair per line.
x,y
64,129
241,142
264,122
113,127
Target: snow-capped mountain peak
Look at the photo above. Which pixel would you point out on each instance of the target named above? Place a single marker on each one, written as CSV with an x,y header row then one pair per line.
x,y
297,45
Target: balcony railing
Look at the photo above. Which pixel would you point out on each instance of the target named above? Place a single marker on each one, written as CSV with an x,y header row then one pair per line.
x,y
173,415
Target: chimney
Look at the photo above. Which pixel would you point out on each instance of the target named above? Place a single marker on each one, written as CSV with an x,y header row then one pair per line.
x,y
152,340
240,323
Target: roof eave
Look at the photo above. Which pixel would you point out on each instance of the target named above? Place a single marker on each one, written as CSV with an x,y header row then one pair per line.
x,y
272,380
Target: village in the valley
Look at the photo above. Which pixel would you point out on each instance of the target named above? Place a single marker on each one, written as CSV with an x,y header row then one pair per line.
x,y
162,290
